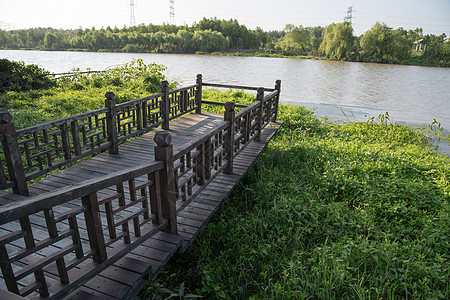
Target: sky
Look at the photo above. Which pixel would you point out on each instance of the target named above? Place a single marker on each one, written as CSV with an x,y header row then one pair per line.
x,y
431,15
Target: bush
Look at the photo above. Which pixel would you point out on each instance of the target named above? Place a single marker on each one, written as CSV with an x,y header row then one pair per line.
x,y
17,76
83,92
353,211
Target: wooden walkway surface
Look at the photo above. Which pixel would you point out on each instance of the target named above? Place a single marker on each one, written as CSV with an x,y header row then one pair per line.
x,y
125,278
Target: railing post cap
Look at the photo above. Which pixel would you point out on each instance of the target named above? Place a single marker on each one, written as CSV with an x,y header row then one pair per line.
x,y
199,76
110,95
162,138
229,106
5,117
165,83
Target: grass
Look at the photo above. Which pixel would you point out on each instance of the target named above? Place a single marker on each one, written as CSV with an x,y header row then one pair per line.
x,y
81,93
359,210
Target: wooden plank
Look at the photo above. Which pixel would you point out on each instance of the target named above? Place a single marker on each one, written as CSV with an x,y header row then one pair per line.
x,y
135,264
108,286
85,293
124,276
5,295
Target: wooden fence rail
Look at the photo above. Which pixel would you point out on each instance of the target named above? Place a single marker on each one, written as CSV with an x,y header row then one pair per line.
x,y
84,232
87,227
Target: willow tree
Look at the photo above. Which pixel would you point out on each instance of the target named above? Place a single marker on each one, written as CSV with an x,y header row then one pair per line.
x,y
381,43
337,41
297,38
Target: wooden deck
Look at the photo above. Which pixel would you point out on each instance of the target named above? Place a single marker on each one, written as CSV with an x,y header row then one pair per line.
x,y
127,276
103,227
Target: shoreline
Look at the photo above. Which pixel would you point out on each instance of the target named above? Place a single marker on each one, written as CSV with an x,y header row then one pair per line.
x,y
411,62
345,114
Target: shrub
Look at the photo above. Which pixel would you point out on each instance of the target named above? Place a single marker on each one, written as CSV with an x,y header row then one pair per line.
x,y
17,76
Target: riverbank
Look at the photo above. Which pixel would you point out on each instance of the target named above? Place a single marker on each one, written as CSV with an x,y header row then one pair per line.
x,y
354,210
412,61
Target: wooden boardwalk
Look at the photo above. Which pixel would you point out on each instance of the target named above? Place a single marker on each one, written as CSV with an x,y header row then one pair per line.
x,y
101,228
128,276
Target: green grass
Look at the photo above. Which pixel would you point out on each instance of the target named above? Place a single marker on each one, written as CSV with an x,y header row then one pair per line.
x,y
359,210
84,92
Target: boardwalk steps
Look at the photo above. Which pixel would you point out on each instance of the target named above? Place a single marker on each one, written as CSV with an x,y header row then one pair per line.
x,y
102,228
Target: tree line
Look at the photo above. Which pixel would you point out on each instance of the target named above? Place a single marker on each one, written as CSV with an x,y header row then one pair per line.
x,y
336,41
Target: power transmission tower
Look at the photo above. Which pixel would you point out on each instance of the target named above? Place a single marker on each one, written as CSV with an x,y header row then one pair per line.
x,y
6,26
349,14
172,11
132,17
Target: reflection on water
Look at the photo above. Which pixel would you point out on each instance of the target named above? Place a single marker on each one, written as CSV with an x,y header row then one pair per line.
x,y
409,93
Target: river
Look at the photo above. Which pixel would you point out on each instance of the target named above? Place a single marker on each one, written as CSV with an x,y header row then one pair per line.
x,y
340,90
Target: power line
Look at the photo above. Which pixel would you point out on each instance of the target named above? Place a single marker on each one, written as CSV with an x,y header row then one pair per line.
x,y
399,22
400,17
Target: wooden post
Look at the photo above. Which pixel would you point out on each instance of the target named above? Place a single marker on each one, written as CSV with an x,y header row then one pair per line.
x,y
208,148
12,154
164,152
30,244
65,140
260,99
198,96
75,137
144,114
165,105
111,126
200,164
94,227
7,271
277,102
229,138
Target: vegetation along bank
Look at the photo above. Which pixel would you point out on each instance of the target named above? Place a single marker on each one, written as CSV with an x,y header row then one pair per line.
x,y
336,41
356,210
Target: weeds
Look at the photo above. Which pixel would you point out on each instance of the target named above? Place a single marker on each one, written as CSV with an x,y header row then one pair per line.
x,y
82,92
436,129
358,210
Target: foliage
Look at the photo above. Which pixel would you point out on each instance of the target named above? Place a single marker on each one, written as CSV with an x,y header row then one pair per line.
x,y
381,43
297,38
83,92
338,40
238,35
17,76
358,210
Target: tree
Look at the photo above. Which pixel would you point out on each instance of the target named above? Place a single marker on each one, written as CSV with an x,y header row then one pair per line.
x,y
297,38
437,51
4,39
381,43
50,40
210,41
316,37
337,41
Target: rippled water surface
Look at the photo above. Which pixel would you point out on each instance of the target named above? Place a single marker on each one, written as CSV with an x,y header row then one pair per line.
x,y
410,94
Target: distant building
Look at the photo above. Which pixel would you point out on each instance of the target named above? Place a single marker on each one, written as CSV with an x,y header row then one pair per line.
x,y
420,45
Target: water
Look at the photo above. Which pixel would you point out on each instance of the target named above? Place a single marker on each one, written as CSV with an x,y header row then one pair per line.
x,y
340,90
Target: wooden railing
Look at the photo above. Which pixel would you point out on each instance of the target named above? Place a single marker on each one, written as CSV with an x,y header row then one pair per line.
x,y
52,243
81,230
32,152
